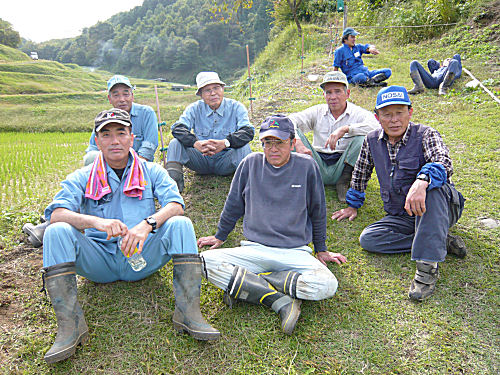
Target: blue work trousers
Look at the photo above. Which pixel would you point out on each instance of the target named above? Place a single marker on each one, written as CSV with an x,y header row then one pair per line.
x,y
223,163
433,82
64,243
363,75
424,236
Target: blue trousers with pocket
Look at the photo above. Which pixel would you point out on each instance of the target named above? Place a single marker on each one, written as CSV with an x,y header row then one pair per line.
x,y
433,82
223,163
363,75
104,262
424,236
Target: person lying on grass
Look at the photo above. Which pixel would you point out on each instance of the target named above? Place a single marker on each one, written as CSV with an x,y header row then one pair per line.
x,y
113,201
414,171
281,197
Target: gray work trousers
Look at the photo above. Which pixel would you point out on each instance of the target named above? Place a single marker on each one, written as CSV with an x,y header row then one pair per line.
x,y
424,236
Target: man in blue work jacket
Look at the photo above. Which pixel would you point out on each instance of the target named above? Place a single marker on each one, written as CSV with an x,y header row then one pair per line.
x,y
348,59
212,135
414,172
144,128
114,199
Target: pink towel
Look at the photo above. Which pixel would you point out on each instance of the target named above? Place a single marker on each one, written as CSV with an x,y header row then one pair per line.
x,y
97,184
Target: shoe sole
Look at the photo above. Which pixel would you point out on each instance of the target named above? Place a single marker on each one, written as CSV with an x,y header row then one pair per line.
x,y
199,335
68,352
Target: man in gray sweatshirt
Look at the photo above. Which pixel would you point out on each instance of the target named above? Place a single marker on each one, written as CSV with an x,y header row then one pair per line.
x,y
281,196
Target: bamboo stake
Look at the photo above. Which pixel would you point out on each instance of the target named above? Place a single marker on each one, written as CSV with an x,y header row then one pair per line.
x,y
251,99
482,86
302,72
159,126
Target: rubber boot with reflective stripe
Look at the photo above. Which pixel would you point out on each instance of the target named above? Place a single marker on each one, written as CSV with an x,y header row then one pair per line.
x,y
249,287
187,283
283,281
60,282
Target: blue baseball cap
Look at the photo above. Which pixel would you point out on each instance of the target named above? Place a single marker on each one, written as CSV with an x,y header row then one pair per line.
x,y
116,79
276,126
349,31
392,95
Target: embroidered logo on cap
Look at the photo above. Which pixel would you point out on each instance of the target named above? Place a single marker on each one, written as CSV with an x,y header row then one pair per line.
x,y
392,95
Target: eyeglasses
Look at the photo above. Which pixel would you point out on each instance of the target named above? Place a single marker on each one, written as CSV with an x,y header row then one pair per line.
x,y
279,144
213,89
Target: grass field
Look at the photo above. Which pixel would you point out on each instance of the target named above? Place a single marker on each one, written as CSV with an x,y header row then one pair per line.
x,y
369,327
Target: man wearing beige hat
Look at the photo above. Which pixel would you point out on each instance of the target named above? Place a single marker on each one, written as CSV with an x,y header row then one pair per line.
x,y
339,128
212,135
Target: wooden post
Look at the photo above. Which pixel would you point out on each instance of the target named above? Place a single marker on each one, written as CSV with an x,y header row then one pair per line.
x,y
302,72
251,99
160,124
344,25
482,86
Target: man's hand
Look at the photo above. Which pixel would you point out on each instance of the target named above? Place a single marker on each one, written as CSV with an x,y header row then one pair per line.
x,y
327,256
415,199
205,147
112,227
349,212
301,149
373,50
218,145
335,136
135,238
211,241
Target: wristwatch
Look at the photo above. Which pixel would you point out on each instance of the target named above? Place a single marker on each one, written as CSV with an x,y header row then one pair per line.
x,y
227,143
151,221
424,177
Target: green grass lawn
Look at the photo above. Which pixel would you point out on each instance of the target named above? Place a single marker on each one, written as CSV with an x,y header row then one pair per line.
x,y
369,327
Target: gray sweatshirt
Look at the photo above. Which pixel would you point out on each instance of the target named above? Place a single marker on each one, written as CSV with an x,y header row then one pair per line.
x,y
282,207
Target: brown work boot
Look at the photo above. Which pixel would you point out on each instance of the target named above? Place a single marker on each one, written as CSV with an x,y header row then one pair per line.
x,y
344,182
424,283
455,245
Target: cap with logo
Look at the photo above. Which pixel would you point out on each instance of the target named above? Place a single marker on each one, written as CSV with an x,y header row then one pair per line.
x,y
349,31
116,79
206,78
335,76
111,116
392,95
276,126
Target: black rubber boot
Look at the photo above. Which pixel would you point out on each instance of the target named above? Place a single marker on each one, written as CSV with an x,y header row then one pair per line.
x,y
377,78
283,281
424,283
72,330
187,283
344,182
446,84
174,170
419,87
35,233
249,287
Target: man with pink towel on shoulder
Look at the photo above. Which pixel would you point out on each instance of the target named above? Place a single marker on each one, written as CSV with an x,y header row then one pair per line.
x,y
114,199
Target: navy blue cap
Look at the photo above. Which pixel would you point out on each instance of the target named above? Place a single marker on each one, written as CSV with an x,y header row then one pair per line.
x,y
392,95
277,126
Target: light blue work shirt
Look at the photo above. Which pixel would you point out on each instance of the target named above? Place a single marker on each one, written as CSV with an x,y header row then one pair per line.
x,y
349,60
116,205
209,124
145,129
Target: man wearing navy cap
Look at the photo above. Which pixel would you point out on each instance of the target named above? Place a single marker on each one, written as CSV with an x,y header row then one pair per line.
x,y
348,59
281,196
414,170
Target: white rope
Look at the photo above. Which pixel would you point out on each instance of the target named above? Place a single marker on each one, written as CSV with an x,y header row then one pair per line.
x,y
404,26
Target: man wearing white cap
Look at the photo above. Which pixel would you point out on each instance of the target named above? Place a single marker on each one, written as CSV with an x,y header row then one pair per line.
x,y
144,121
212,135
339,128
413,169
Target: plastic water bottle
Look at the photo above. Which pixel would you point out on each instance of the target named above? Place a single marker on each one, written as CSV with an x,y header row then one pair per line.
x,y
136,260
